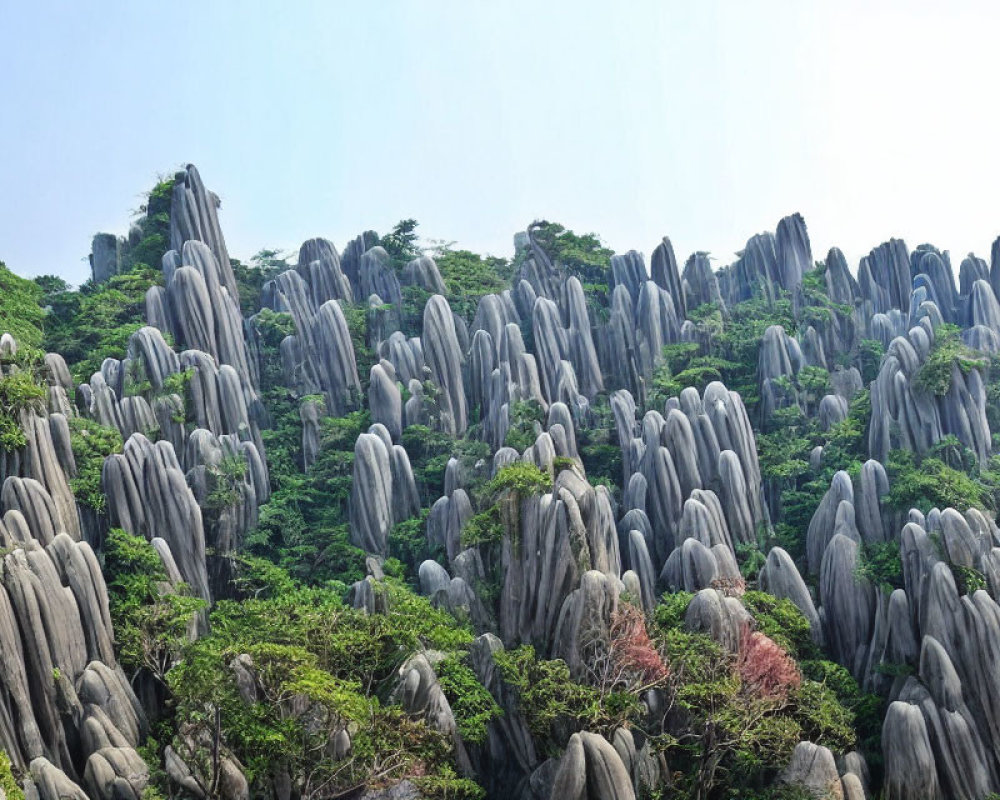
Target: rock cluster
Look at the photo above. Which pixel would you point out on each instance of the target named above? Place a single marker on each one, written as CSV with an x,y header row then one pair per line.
x,y
68,707
693,487
193,475
383,491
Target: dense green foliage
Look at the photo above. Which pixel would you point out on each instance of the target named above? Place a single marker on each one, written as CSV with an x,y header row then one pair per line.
x,y
307,648
21,391
947,354
96,322
731,734
401,243
9,786
581,255
928,483
470,701
92,443
152,620
551,702
304,525
20,313
468,276
502,499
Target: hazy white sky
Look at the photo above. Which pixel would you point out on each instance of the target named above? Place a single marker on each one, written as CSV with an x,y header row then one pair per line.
x,y
705,121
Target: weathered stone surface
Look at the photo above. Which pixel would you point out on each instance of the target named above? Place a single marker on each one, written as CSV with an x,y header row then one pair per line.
x,y
194,216
848,604
591,769
420,694
884,277
723,618
105,257
423,272
202,308
115,773
780,577
903,416
376,276
48,782
319,357
813,768
584,621
148,495
319,266
65,698
385,402
824,524
700,283
444,359
666,275
909,762
383,491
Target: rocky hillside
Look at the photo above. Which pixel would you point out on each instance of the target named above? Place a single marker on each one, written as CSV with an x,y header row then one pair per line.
x,y
391,523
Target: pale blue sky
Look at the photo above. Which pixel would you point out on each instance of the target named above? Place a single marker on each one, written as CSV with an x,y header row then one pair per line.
x,y
706,121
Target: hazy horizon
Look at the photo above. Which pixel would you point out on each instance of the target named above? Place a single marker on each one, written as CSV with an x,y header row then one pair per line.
x,y
704,124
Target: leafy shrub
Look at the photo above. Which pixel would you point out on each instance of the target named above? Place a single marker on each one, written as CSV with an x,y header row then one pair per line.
x,y
20,391
967,579
870,352
20,313
670,611
764,666
408,542
151,622
471,703
782,621
879,563
469,276
550,701
582,255
9,787
91,443
526,421
947,352
484,528
522,478
929,483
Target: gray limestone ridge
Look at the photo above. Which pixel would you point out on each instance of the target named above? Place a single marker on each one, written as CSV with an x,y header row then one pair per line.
x,y
690,501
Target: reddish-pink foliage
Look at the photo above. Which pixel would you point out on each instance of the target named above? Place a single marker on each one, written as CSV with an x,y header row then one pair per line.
x,y
765,668
631,648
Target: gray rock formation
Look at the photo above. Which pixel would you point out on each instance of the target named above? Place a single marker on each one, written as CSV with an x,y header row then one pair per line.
x,y
423,272
194,216
884,277
420,694
591,769
148,495
444,358
319,357
67,705
105,257
814,769
666,275
723,618
319,266
905,415
383,491
780,577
